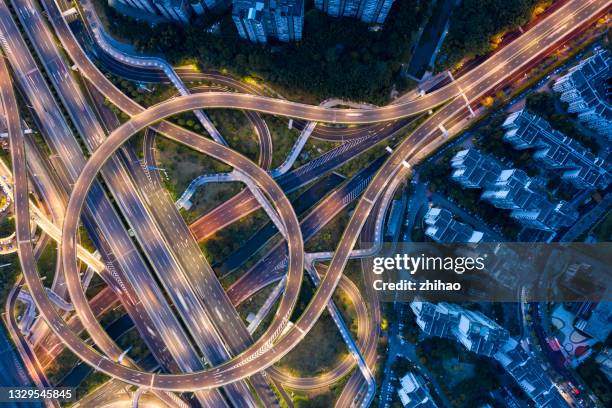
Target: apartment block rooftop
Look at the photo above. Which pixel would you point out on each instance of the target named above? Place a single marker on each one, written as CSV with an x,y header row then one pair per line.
x,y
442,227
557,151
414,393
586,88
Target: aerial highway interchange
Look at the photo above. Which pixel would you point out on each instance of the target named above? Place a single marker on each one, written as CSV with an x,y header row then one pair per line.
x,y
202,341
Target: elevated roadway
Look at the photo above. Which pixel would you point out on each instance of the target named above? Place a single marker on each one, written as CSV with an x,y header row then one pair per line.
x,y
22,221
427,137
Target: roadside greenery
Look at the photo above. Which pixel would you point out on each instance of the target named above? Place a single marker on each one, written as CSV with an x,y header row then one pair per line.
x,y
46,262
336,57
8,275
475,24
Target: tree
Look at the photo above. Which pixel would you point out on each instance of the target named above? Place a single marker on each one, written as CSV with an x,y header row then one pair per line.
x,y
475,23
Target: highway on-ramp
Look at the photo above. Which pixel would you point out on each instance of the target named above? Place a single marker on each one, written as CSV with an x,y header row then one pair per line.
x,y
269,348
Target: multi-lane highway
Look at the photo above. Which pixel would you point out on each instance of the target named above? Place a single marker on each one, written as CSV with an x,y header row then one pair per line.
x,y
271,346
425,135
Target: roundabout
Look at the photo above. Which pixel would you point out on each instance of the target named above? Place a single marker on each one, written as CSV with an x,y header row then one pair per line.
x,y
239,367
276,342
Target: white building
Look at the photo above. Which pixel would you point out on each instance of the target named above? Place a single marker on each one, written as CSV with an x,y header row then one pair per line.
x,y
473,169
260,20
587,91
483,336
557,151
442,227
512,191
480,334
368,11
413,392
176,10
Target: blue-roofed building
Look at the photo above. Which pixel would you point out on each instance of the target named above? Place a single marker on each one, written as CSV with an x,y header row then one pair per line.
x,y
557,151
588,91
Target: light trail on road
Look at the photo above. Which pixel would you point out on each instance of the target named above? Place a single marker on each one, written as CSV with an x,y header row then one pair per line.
x,y
265,351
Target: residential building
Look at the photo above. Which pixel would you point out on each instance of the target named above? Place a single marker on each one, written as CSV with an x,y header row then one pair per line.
x,y
599,324
443,228
512,191
436,320
586,88
368,11
556,151
215,5
528,374
260,20
547,216
249,19
413,392
176,10
145,5
287,19
480,334
474,169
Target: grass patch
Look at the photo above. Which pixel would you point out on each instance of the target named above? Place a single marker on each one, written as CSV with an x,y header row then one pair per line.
x,y
229,239
61,365
237,131
283,138
46,262
321,350
181,165
328,237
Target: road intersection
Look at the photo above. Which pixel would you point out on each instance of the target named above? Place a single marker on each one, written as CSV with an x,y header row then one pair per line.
x,y
280,338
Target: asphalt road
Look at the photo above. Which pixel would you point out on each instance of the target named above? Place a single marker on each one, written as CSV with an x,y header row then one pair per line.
x,y
264,352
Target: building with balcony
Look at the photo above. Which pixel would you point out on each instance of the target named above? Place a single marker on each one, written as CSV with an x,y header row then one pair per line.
x,y
473,169
557,151
249,19
442,227
547,216
586,89
528,374
144,5
260,20
368,11
175,10
179,11
512,191
413,392
436,320
598,324
481,335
